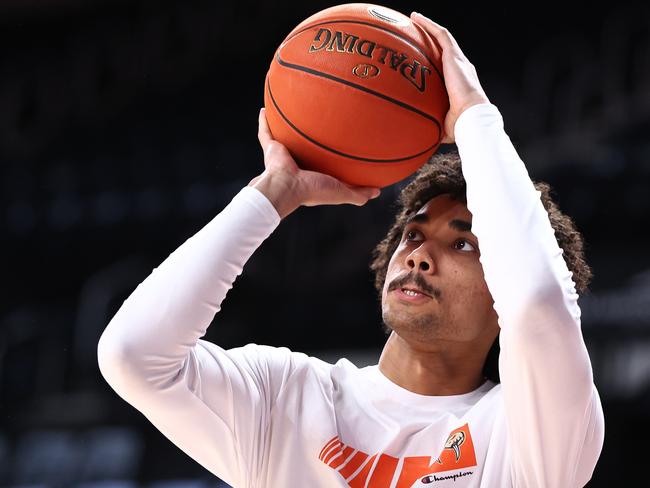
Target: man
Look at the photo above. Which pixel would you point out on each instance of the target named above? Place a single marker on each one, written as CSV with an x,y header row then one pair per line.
x,y
432,411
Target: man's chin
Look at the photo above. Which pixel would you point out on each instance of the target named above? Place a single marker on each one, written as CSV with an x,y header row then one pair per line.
x,y
402,322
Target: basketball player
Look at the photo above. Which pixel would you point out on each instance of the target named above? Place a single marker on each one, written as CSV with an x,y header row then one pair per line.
x,y
476,258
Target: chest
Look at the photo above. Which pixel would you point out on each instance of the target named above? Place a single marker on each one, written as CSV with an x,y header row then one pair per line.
x,y
341,440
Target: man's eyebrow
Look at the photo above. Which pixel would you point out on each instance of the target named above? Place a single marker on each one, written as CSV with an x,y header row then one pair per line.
x,y
461,225
420,218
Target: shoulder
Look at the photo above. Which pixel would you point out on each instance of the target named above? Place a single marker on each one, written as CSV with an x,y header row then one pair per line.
x,y
277,359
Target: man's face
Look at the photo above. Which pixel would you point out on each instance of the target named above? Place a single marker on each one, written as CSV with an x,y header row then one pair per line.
x,y
435,288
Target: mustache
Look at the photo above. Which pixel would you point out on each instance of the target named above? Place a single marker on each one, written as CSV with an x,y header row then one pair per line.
x,y
415,279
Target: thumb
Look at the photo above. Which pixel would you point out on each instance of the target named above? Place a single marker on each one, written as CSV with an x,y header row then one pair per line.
x,y
324,189
447,138
359,195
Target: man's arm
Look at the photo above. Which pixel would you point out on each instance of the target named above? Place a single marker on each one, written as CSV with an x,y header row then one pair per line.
x,y
554,417
213,404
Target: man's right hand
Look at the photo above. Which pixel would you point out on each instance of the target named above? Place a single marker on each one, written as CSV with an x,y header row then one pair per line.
x,y
288,187
461,80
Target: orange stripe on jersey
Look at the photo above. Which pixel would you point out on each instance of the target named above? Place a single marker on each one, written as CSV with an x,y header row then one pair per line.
x,y
332,452
353,464
384,472
342,458
359,481
329,443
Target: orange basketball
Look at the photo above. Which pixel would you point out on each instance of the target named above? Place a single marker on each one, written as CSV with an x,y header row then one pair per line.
x,y
356,91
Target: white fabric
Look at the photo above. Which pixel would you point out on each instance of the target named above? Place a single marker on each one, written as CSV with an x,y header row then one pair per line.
x,y
258,416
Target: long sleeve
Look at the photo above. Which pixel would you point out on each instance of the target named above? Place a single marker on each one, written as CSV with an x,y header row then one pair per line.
x,y
212,403
553,413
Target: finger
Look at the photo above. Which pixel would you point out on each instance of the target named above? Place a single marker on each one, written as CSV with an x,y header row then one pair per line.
x,y
447,139
430,26
359,195
276,151
327,190
263,131
440,33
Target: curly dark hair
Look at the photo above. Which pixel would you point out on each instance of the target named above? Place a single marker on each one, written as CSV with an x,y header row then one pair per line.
x,y
443,175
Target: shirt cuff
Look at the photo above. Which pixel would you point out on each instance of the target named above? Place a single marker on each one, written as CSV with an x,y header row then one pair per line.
x,y
258,200
482,114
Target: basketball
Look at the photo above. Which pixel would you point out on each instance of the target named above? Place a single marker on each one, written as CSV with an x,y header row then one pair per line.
x,y
356,91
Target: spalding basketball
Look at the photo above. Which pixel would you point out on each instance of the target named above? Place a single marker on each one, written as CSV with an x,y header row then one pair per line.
x,y
356,91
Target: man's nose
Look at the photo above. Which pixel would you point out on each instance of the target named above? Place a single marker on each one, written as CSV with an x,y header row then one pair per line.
x,y
420,260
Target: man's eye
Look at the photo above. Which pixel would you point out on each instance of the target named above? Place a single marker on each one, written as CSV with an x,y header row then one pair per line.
x,y
411,235
463,245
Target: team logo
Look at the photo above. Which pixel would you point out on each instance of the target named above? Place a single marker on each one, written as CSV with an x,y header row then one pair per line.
x,y
454,442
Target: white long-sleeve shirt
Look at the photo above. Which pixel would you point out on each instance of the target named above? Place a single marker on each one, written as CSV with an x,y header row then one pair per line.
x,y
258,416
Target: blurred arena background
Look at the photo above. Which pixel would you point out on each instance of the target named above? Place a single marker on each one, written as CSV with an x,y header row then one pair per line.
x,y
125,126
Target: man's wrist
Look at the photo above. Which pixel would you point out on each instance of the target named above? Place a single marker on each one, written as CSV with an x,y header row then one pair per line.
x,y
280,190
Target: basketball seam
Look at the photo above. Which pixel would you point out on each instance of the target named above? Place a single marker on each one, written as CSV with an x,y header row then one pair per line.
x,y
322,74
390,31
323,146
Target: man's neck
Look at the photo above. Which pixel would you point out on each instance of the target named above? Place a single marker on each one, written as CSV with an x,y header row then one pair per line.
x,y
449,368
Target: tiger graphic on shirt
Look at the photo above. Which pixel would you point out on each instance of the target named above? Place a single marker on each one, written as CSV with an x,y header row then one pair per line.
x,y
378,470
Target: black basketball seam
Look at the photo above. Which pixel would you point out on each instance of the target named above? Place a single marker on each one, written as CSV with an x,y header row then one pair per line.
x,y
396,34
323,146
358,87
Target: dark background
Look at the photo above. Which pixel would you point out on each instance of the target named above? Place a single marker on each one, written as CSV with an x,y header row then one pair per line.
x,y
125,126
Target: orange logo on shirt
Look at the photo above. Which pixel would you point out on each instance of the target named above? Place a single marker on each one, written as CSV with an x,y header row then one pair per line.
x,y
379,470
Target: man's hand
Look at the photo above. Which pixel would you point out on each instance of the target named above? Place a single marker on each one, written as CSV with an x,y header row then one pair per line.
x,y
288,187
461,80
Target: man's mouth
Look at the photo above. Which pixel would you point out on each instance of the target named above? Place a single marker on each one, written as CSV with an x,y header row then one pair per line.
x,y
413,287
414,292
